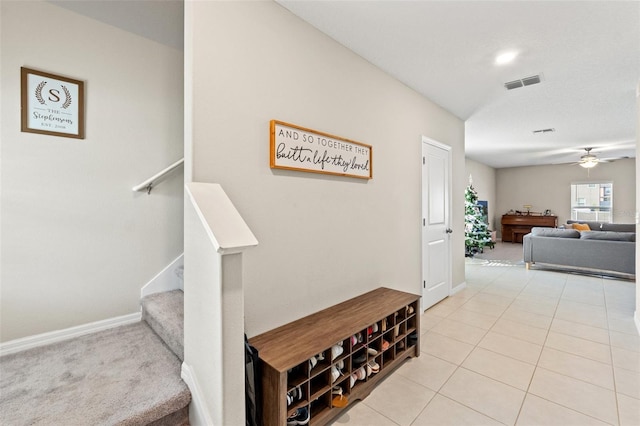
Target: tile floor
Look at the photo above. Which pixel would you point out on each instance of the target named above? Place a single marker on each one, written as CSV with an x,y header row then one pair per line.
x,y
518,347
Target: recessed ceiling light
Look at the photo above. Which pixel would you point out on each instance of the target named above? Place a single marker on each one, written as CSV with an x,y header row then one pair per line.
x,y
506,57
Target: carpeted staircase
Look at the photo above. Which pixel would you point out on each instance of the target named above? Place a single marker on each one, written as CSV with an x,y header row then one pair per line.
x,y
128,375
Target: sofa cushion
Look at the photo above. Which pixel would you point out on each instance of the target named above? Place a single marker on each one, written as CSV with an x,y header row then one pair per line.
x,y
555,232
608,235
581,226
619,227
595,226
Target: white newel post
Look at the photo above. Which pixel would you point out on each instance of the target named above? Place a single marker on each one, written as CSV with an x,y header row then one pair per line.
x,y
213,367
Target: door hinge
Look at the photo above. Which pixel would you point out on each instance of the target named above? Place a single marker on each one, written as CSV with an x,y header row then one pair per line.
x,y
423,161
424,284
424,222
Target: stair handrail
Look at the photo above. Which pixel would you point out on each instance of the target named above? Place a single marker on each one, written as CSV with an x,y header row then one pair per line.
x,y
148,183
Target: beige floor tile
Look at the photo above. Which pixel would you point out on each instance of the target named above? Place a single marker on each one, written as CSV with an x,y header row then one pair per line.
x,y
509,282
579,307
427,370
399,399
580,347
511,347
621,312
498,290
627,382
594,372
550,302
595,334
490,397
589,297
580,396
547,309
629,410
629,360
442,411
500,367
582,313
428,321
588,282
502,301
528,318
444,347
453,302
441,310
626,341
520,331
475,319
537,411
362,415
484,308
622,302
459,331
542,287
623,325
464,294
578,293
550,281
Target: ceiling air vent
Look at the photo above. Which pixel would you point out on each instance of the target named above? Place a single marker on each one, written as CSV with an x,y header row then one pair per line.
x,y
534,79
527,81
540,131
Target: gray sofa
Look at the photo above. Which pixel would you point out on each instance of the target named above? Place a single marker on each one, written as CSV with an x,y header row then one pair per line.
x,y
608,248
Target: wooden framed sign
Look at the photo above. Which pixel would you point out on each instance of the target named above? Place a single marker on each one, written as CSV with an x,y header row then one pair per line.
x,y
297,148
51,104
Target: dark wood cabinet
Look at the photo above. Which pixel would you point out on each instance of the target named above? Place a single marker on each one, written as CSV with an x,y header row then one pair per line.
x,y
379,328
514,227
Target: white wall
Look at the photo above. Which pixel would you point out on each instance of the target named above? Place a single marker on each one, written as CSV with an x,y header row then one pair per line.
x,y
548,187
323,239
77,243
484,182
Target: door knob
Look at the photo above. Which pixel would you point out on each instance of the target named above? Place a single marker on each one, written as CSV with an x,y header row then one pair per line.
x,y
449,231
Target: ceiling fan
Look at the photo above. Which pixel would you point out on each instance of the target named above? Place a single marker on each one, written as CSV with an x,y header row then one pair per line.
x,y
589,160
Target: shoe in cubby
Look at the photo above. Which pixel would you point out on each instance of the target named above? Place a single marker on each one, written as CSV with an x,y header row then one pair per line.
x,y
339,397
359,358
412,339
373,366
300,416
336,351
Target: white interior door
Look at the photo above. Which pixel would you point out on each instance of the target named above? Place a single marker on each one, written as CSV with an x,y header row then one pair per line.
x,y
436,245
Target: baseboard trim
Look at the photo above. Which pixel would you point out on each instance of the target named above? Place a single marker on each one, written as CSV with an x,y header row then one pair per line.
x,y
17,345
458,288
636,319
198,414
165,280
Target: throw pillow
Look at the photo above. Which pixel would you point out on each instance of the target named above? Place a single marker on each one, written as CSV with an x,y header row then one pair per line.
x,y
581,226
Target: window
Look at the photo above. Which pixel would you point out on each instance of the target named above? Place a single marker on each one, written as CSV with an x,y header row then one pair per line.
x,y
592,201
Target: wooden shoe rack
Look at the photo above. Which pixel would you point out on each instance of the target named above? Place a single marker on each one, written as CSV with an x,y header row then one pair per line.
x,y
386,327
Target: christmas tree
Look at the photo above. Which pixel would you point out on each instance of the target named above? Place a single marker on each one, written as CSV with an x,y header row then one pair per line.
x,y
476,228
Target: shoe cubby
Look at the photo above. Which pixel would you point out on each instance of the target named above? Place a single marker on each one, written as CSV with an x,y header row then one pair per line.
x,y
310,370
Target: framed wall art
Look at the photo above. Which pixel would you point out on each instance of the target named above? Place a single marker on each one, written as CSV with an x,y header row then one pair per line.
x,y
305,150
51,104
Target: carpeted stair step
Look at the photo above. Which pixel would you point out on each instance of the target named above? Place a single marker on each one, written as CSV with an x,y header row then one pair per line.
x,y
121,376
164,312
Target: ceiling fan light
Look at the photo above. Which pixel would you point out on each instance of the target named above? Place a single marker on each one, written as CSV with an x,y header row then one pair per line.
x,y
589,163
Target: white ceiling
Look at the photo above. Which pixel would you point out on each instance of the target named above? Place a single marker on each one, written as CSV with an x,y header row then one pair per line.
x,y
158,20
588,54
